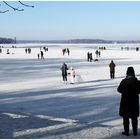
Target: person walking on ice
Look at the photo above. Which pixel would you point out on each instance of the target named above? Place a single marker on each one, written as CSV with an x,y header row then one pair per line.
x,y
112,69
72,75
129,105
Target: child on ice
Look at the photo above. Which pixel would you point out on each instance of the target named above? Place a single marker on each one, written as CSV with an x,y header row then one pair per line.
x,y
72,75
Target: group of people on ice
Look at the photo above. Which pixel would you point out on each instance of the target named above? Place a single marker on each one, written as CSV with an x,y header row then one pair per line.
x,y
71,72
66,50
90,58
128,48
41,54
28,50
129,88
98,53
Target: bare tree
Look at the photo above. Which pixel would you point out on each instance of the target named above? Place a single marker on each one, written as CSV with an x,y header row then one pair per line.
x,y
14,8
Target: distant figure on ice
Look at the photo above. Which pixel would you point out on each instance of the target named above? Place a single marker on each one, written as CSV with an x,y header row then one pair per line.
x,y
129,105
72,75
137,48
68,51
29,50
96,52
38,55
99,53
112,69
45,49
8,51
88,56
26,50
64,69
42,54
64,51
0,50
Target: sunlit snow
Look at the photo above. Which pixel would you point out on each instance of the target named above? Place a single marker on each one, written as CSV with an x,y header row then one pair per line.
x,y
35,103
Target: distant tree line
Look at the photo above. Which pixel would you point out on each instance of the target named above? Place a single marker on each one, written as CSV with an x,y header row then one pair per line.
x,y
6,40
76,41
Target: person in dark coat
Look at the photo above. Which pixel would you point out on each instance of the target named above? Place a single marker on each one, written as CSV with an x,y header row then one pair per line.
x,y
42,54
96,52
129,105
112,69
68,51
88,56
64,69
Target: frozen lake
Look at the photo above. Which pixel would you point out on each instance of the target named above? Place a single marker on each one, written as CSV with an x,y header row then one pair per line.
x,y
35,103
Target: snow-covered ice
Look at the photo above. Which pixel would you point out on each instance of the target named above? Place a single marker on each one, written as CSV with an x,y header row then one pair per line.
x,y
35,103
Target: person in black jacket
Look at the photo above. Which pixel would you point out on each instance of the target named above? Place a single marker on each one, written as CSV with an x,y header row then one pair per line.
x,y
64,69
129,105
112,69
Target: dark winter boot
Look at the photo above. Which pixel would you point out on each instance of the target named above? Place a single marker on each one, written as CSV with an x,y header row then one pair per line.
x,y
125,133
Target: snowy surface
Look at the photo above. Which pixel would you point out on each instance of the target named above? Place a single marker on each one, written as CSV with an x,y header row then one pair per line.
x,y
35,103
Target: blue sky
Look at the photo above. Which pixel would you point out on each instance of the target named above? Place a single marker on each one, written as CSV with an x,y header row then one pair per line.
x,y
58,20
